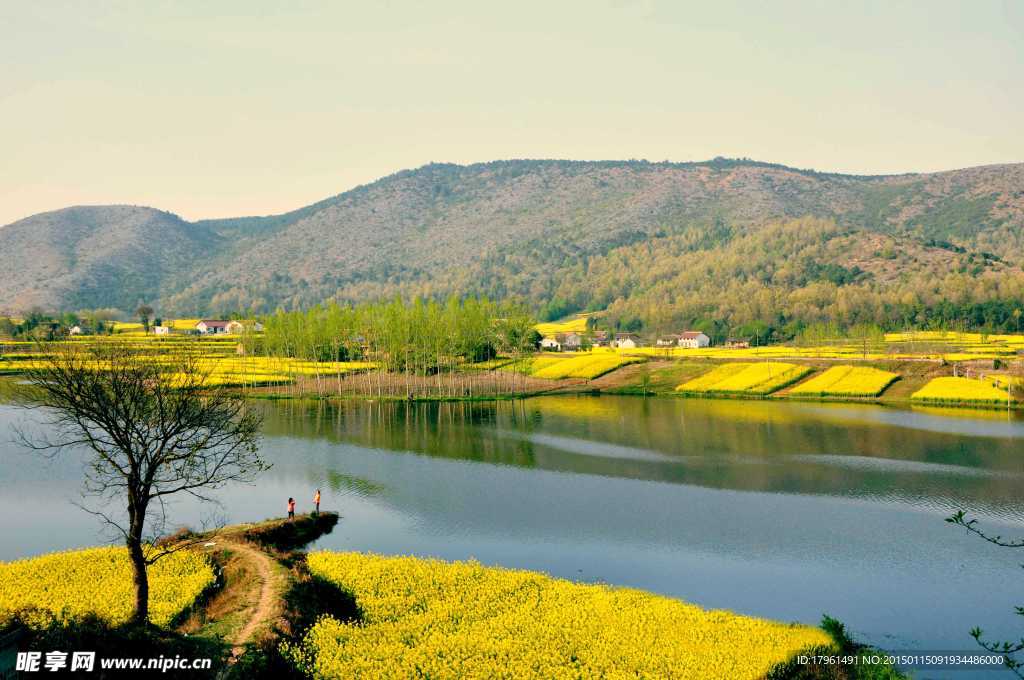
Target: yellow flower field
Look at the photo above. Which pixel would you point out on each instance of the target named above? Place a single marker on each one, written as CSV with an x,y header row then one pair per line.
x,y
222,370
960,390
99,581
847,381
746,378
1005,381
428,618
586,366
577,325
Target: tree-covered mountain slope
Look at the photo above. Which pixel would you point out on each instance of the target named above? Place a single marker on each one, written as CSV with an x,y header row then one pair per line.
x,y
634,237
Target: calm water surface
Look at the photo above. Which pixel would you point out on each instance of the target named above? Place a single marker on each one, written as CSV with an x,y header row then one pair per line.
x,y
783,510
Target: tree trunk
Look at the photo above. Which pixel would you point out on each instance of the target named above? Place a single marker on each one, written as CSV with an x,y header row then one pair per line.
x,y
137,556
141,581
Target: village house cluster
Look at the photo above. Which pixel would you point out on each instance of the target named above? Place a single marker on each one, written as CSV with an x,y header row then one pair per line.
x,y
215,327
574,342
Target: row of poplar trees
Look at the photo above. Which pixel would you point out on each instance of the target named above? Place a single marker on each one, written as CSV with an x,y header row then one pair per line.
x,y
418,336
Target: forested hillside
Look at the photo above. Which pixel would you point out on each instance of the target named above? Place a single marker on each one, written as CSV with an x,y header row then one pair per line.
x,y
657,244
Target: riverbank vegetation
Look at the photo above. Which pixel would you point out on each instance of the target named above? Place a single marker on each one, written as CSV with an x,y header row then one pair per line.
x,y
476,349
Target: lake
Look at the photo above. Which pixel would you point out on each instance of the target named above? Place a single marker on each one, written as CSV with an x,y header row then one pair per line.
x,y
782,510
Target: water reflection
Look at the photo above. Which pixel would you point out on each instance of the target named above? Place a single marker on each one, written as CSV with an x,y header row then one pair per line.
x,y
786,510
839,450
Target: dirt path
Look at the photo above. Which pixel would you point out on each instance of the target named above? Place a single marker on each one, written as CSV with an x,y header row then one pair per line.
x,y
251,601
272,583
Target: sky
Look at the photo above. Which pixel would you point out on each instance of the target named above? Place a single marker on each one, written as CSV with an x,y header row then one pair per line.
x,y
215,109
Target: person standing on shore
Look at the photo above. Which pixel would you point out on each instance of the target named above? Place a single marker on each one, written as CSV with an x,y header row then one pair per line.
x,y
291,509
316,502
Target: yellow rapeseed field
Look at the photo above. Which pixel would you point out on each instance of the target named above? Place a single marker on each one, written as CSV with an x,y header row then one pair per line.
x,y
587,366
1006,380
960,390
99,581
577,325
847,381
746,378
218,369
433,619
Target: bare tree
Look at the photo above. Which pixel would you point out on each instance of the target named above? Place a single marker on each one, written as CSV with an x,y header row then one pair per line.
x,y
154,427
1009,649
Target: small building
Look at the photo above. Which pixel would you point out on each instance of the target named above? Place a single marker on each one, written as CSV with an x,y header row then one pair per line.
x,y
162,330
571,342
213,326
694,340
551,344
627,341
599,339
668,341
733,343
76,330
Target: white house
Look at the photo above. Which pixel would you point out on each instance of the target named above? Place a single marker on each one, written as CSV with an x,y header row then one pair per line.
x,y
76,330
162,330
627,341
694,340
551,344
571,342
668,340
213,326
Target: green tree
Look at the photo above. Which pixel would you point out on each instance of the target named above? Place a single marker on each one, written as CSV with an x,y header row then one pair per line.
x,y
868,337
144,312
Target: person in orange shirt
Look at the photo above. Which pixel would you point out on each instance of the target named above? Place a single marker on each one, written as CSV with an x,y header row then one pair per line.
x,y
316,501
291,509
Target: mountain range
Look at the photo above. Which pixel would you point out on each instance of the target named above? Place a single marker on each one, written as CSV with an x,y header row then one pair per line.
x,y
643,241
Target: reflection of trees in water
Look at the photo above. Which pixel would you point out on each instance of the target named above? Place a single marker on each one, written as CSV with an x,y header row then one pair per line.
x,y
727,444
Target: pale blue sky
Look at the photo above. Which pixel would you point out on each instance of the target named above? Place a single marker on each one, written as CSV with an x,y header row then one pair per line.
x,y
218,108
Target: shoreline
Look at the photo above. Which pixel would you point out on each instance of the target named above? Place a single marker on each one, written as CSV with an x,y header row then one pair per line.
x,y
268,599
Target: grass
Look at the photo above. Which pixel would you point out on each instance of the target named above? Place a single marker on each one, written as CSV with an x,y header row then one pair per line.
x,y
428,618
746,378
846,381
949,390
659,377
